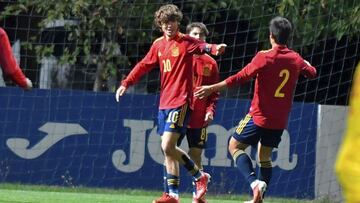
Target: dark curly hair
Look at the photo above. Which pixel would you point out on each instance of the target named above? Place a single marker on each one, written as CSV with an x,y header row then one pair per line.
x,y
166,13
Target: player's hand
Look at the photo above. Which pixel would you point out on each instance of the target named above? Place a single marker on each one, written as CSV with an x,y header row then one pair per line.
x,y
220,49
203,91
29,84
209,117
120,92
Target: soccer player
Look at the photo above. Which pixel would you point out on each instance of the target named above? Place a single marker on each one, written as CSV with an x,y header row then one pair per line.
x,y
9,65
276,71
205,73
347,165
173,53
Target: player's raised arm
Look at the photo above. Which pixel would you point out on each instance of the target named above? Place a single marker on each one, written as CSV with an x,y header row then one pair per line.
x,y
9,65
204,91
219,49
196,46
308,70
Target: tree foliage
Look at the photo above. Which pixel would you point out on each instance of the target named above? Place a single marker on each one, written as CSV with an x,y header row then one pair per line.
x,y
312,19
107,22
98,28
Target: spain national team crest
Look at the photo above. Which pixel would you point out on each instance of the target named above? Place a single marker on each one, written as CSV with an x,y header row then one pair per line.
x,y
206,70
175,51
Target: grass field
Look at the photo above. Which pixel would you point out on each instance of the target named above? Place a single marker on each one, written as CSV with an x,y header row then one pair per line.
x,y
17,193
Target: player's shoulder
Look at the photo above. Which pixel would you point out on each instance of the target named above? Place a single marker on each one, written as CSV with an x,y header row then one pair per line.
x,y
263,55
2,31
265,51
182,35
158,39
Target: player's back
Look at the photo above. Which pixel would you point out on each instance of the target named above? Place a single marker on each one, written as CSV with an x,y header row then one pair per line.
x,y
274,86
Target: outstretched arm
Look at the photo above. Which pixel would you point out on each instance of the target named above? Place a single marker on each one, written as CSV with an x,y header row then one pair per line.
x,y
196,46
308,70
9,65
204,91
249,71
141,68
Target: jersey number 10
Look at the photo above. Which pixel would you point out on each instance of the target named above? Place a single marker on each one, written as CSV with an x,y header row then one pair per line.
x,y
167,65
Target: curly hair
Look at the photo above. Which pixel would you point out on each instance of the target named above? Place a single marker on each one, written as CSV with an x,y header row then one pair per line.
x,y
166,13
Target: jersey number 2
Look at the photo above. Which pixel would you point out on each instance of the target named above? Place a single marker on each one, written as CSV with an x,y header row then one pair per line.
x,y
285,74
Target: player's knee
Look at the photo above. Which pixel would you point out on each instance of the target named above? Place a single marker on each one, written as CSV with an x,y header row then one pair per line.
x,y
233,146
167,148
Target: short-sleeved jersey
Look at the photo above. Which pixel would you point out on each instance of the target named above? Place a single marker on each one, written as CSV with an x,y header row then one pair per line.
x,y
276,71
206,72
174,57
8,62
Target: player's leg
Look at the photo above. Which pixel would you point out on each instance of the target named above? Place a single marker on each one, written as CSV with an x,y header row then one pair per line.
x,y
172,175
165,173
269,139
176,125
174,153
168,144
264,157
246,134
197,141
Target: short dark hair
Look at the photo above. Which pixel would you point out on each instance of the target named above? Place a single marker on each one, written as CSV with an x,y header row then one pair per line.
x,y
199,25
281,29
166,13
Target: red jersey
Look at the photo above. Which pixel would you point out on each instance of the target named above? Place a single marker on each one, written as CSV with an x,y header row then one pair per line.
x,y
277,71
205,73
8,62
174,56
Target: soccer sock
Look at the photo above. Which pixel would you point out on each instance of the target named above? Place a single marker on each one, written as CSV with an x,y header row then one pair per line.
x,y
265,171
243,163
191,167
173,183
194,187
166,188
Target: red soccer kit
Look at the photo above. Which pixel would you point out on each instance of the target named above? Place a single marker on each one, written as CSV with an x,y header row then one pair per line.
x,y
8,61
174,56
277,71
205,73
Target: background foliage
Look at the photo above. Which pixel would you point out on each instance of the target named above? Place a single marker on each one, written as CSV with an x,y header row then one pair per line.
x,y
103,27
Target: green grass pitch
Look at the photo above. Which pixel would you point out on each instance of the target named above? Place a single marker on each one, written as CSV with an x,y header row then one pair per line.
x,y
18,193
